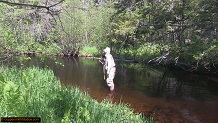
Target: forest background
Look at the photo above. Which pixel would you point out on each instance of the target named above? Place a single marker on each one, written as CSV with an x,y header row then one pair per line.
x,y
181,33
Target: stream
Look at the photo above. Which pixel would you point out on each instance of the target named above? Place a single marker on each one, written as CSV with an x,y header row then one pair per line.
x,y
170,96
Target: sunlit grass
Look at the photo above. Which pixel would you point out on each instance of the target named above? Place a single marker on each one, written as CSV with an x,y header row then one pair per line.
x,y
35,92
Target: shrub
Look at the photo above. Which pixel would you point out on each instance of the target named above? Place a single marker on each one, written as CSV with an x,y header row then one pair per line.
x,y
87,50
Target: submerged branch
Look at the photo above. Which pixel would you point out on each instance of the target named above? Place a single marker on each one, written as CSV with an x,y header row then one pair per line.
x,y
159,59
167,60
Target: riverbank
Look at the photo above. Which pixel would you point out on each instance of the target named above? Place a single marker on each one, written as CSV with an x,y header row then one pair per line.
x,y
164,60
35,92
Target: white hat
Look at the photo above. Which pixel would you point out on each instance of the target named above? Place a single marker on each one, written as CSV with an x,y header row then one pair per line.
x,y
107,50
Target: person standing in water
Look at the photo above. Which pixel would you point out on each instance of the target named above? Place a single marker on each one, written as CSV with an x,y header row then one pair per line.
x,y
110,68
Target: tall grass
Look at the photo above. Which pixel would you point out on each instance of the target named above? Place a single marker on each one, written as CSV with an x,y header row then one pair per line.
x,y
35,92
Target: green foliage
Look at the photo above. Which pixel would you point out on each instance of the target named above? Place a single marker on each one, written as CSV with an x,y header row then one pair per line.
x,y
78,23
145,52
126,26
87,50
148,51
188,29
37,92
127,53
84,24
26,30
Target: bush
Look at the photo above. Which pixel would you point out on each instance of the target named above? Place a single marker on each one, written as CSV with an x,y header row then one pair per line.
x,y
87,50
148,51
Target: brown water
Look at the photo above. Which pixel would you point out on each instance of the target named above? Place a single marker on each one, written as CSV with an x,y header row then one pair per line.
x,y
168,96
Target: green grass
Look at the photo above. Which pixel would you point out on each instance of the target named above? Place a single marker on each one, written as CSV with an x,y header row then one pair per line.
x,y
35,92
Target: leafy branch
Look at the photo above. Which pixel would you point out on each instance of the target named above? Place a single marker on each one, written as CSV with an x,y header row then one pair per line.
x,y
31,5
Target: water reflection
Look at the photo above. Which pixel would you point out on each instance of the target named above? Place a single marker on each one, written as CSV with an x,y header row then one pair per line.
x,y
178,84
169,96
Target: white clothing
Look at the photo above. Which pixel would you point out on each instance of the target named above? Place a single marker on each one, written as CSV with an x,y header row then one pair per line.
x,y
110,68
109,62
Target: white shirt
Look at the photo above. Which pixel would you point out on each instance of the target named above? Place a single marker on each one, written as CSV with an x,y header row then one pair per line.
x,y
109,62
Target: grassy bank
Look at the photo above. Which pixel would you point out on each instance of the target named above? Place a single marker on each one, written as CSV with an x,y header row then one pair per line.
x,y
35,92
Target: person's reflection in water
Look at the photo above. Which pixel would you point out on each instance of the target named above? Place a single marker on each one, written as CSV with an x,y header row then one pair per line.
x,y
110,96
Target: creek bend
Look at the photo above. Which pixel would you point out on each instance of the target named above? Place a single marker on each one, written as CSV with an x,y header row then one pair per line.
x,y
167,95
